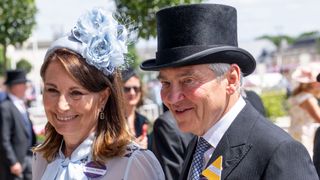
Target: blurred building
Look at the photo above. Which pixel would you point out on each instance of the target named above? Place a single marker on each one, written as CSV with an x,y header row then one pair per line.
x,y
301,52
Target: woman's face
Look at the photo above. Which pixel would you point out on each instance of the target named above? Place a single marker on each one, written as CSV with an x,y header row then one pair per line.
x,y
132,91
70,108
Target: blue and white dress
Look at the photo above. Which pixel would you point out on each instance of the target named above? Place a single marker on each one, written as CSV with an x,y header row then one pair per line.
x,y
136,164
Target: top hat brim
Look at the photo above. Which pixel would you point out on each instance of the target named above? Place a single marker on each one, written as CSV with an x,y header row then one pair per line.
x,y
221,54
17,81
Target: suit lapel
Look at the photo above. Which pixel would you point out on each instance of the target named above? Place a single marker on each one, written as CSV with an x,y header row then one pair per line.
x,y
187,162
19,118
234,145
232,155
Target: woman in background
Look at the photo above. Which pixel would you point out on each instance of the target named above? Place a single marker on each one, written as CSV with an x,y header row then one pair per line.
x,y
304,109
137,123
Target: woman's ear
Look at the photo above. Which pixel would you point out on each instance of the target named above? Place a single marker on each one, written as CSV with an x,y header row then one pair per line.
x,y
104,96
233,77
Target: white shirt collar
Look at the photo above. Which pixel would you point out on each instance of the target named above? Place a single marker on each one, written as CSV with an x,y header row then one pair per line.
x,y
19,103
215,133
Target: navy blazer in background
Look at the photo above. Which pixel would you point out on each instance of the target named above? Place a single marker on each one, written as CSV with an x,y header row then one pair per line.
x,y
253,148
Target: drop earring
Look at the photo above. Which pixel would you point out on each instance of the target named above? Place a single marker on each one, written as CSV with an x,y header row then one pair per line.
x,y
101,114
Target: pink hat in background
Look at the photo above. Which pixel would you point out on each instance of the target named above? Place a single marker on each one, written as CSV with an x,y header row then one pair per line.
x,y
307,73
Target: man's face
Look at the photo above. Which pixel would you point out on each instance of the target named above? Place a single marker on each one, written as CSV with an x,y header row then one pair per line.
x,y
19,90
196,98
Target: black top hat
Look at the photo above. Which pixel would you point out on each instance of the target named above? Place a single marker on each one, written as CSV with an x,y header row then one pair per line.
x,y
15,77
198,34
127,74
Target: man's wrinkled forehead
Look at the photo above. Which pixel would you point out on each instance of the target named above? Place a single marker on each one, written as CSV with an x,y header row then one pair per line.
x,y
179,72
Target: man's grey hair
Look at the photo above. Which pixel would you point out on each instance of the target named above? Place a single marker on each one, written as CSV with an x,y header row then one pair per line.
x,y
220,69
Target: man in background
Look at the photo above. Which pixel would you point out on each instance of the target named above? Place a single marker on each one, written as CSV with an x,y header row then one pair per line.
x,y
16,132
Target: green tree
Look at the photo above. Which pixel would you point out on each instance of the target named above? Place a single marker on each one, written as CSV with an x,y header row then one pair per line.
x,y
276,39
308,34
25,65
17,20
142,12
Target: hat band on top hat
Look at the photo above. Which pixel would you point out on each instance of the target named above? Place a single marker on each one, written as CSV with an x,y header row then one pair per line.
x,y
171,55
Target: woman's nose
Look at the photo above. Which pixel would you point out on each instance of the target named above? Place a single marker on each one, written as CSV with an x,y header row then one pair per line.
x,y
63,103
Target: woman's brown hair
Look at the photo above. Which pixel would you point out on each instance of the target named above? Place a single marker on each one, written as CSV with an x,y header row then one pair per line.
x,y
112,136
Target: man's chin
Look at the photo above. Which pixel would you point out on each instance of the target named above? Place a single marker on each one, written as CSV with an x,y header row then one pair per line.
x,y
184,126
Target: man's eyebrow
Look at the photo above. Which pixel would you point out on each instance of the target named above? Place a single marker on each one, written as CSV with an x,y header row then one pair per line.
x,y
183,74
50,84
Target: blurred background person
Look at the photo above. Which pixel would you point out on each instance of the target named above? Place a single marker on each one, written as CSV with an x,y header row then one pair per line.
x,y
16,132
169,144
316,148
303,105
255,100
133,98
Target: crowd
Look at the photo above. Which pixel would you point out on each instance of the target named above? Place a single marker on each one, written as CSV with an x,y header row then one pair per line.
x,y
211,127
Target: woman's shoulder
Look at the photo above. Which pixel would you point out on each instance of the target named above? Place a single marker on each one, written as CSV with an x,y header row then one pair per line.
x,y
142,164
136,163
300,98
39,165
133,149
141,118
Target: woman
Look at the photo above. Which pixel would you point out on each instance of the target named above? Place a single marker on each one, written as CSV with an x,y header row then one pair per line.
x,y
86,134
304,110
137,123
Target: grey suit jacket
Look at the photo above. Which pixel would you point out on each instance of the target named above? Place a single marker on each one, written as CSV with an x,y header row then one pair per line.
x,y
14,140
254,148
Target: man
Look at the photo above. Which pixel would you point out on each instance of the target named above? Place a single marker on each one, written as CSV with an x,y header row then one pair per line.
x,y
16,133
169,144
200,67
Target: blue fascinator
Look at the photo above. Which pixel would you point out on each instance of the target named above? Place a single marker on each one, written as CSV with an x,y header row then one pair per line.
x,y
99,38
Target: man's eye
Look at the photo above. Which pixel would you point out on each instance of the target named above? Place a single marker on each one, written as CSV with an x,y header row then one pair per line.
x,y
165,84
187,81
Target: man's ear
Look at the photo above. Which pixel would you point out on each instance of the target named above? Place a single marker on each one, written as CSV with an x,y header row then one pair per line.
x,y
233,77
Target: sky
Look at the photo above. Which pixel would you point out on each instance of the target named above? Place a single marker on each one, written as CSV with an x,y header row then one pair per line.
x,y
255,17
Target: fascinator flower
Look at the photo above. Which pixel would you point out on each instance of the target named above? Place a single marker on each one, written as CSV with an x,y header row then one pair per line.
x,y
103,38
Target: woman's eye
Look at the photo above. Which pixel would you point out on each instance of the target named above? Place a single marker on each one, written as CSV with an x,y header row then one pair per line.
x,y
76,94
51,90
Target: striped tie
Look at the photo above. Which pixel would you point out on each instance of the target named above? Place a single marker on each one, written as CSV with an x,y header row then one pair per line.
x,y
198,159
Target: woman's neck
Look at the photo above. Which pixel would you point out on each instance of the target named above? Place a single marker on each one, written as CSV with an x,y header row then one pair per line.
x,y
72,142
130,111
131,115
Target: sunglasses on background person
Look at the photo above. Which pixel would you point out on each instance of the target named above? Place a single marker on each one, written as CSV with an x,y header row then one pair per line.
x,y
127,89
